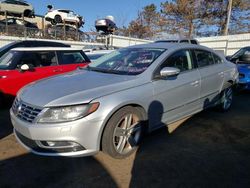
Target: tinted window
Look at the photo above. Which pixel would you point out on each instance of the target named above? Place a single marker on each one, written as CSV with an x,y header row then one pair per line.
x,y
194,42
181,60
217,59
184,41
71,58
38,59
204,58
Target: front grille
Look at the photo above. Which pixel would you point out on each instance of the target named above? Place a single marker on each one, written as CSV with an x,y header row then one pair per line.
x,y
25,111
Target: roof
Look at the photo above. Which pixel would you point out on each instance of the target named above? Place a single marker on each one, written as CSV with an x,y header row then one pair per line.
x,y
46,49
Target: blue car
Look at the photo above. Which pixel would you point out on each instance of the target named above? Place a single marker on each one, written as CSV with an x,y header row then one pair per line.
x,y
242,59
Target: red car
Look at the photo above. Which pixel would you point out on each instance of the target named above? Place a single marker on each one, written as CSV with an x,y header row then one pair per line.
x,y
21,66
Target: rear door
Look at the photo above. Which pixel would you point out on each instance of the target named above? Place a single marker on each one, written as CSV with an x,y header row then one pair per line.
x,y
178,95
71,60
212,76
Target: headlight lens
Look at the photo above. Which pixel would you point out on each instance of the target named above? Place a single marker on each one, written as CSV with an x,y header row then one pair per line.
x,y
67,113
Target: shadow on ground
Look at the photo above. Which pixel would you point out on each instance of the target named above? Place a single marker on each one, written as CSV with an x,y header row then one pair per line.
x,y
211,149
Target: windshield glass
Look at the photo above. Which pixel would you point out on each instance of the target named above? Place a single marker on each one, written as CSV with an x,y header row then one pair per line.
x,y
6,59
127,61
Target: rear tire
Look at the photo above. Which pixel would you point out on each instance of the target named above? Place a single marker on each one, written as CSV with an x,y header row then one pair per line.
x,y
226,99
123,133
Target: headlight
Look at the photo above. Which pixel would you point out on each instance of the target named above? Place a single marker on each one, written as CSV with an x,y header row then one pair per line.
x,y
67,113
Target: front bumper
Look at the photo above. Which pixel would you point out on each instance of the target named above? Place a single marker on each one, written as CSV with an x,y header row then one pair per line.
x,y
244,83
82,136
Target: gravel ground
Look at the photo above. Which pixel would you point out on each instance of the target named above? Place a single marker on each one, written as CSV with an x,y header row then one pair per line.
x,y
211,149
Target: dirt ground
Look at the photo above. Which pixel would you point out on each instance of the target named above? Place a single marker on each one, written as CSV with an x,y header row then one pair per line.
x,y
211,149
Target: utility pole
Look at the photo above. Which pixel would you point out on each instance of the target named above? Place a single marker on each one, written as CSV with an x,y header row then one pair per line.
x,y
229,10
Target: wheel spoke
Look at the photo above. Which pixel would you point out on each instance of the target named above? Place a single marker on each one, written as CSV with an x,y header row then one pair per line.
x,y
120,132
121,144
134,128
128,120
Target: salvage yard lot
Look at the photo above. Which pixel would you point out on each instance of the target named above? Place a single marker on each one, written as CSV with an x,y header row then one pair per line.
x,y
211,149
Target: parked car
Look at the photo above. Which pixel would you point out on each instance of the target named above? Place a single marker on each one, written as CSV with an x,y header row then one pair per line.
x,y
17,8
21,66
242,59
106,25
108,105
18,26
60,15
30,43
95,54
180,40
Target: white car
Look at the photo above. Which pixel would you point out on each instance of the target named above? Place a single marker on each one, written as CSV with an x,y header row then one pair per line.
x,y
60,15
17,8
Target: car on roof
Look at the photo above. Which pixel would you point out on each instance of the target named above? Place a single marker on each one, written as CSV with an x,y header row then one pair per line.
x,y
17,8
106,25
109,104
60,15
30,43
179,40
21,66
242,59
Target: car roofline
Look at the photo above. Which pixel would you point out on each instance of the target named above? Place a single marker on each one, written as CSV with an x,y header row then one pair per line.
x,y
47,49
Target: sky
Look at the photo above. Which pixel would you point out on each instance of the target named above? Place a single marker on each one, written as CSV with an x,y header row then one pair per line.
x,y
123,10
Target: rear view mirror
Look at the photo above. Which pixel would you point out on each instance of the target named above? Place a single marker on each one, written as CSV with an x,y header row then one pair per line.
x,y
169,71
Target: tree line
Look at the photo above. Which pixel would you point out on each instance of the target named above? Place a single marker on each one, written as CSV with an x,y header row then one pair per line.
x,y
190,18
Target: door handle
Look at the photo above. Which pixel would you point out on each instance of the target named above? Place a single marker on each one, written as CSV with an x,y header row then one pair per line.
x,y
195,83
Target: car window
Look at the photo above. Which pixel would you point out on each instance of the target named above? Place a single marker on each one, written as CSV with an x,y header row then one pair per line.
x,y
194,42
181,60
38,59
217,59
47,58
71,58
7,59
204,58
28,58
184,41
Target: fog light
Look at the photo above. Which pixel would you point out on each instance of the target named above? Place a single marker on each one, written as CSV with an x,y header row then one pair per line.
x,y
51,144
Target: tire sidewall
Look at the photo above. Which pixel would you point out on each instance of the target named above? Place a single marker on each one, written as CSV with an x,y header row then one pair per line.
x,y
107,140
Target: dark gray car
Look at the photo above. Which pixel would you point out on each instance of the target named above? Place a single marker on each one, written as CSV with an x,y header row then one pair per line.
x,y
109,104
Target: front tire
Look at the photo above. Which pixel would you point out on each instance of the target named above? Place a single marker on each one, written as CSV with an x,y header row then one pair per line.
x,y
123,133
226,99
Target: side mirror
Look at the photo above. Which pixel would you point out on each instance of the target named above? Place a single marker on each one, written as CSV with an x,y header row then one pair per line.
x,y
26,67
169,71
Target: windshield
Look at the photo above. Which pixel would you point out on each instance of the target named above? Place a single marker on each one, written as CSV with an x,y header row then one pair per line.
x,y
6,59
127,61
237,56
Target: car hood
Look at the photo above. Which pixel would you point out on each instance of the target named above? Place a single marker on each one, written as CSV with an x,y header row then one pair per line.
x,y
77,87
243,68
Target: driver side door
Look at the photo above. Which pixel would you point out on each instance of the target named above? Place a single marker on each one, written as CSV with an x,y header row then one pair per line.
x,y
179,95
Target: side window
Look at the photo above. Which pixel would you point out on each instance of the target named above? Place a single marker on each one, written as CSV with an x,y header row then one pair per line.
x,y
47,58
181,60
217,59
194,42
71,58
204,58
29,58
184,41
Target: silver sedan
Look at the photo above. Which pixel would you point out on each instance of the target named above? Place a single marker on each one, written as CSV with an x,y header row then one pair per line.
x,y
110,104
